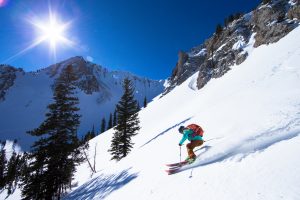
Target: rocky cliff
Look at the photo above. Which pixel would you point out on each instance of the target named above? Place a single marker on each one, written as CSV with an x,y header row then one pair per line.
x,y
231,44
7,78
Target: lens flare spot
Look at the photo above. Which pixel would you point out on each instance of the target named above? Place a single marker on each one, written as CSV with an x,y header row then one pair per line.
x,y
3,3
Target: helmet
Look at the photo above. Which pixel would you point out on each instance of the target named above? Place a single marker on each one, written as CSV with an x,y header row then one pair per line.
x,y
181,129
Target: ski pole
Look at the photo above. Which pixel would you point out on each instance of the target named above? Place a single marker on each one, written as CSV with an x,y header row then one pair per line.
x,y
212,139
180,153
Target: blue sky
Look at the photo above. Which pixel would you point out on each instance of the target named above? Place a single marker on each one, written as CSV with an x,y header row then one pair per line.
x,y
140,36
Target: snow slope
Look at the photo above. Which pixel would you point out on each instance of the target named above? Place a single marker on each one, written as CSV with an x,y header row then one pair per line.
x,y
252,114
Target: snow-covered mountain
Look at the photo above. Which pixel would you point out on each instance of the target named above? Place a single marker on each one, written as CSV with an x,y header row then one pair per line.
x,y
248,108
250,117
24,96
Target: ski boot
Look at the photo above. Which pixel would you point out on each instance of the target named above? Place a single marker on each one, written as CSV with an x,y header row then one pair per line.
x,y
190,160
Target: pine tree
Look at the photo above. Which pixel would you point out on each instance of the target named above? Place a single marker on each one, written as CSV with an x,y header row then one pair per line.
x,y
115,118
228,20
12,174
93,132
110,122
238,15
11,171
54,156
3,162
145,102
266,1
138,106
219,29
127,123
89,135
103,125
23,167
34,181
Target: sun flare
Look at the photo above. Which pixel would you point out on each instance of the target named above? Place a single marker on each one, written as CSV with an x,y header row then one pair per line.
x,y
52,31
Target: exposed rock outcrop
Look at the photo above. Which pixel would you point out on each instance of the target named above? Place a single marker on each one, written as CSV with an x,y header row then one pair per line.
x,y
84,70
7,78
267,24
270,22
294,12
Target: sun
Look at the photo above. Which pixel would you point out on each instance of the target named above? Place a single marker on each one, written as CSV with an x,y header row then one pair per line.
x,y
52,31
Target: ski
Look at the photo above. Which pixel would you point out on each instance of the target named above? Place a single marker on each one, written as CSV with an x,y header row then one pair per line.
x,y
175,167
179,164
173,170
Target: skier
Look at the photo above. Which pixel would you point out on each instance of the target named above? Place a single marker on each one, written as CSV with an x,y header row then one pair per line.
x,y
194,134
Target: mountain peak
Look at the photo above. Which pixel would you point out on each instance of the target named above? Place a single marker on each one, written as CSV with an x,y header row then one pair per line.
x,y
28,94
230,45
78,63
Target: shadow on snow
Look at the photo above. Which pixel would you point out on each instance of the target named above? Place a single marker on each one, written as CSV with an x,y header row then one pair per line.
x,y
245,147
165,131
101,186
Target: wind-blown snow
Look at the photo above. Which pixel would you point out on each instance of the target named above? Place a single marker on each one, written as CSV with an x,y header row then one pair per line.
x,y
251,117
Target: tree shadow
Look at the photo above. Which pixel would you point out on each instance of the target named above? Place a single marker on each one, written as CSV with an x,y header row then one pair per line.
x,y
101,186
165,131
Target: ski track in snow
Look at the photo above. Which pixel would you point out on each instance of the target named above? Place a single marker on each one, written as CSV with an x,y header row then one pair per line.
x,y
250,145
165,131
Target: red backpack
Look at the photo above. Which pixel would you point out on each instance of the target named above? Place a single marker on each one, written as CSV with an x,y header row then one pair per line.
x,y
196,129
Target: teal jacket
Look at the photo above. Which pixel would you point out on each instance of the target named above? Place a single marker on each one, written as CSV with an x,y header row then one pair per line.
x,y
188,134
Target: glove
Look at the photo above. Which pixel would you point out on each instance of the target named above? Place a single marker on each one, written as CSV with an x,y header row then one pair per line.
x,y
180,145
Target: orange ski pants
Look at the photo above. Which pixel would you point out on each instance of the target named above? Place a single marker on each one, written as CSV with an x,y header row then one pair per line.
x,y
190,147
